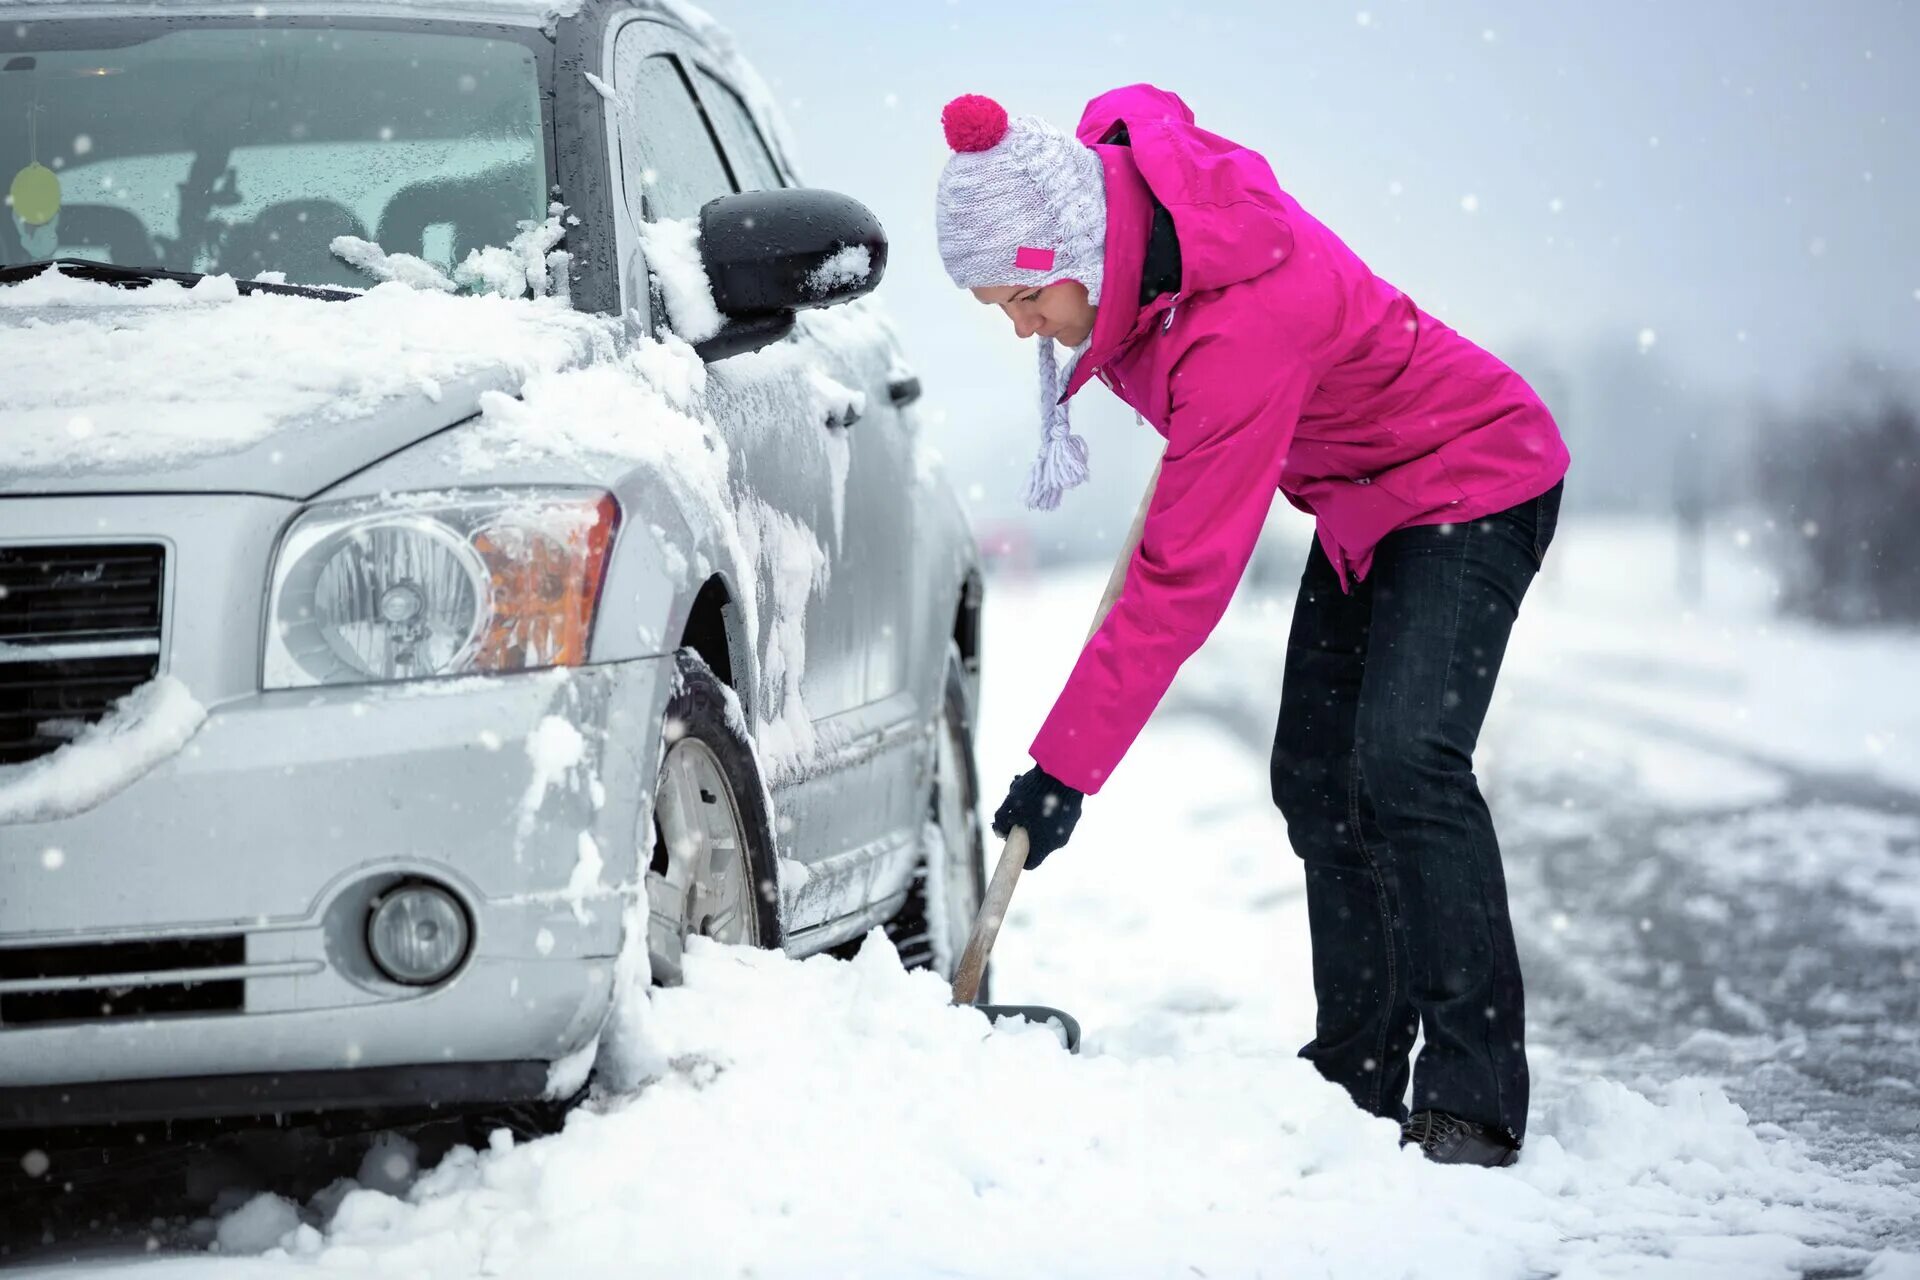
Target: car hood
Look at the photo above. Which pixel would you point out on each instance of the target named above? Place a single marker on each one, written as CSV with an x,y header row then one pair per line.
x,y
198,389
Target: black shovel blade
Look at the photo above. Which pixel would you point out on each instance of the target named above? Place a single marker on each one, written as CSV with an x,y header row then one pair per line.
x,y
1064,1025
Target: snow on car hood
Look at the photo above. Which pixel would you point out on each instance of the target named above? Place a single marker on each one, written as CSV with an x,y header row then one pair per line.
x,y
178,388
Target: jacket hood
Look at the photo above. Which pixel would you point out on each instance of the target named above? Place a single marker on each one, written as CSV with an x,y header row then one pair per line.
x,y
1228,211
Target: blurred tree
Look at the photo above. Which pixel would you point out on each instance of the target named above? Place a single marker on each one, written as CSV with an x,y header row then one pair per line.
x,y
1841,478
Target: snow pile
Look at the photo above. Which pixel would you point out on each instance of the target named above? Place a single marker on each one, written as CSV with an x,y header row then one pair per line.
x,y
257,1226
201,371
849,266
829,1117
672,246
532,264
401,268
144,728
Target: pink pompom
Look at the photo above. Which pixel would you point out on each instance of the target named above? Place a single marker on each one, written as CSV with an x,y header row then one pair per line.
x,y
974,123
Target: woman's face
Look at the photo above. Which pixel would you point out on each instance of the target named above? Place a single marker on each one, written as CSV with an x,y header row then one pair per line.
x,y
1059,311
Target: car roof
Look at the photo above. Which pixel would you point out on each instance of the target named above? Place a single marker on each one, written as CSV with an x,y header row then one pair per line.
x,y
519,12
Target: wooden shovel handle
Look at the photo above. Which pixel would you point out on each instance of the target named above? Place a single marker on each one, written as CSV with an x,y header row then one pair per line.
x,y
993,906
986,925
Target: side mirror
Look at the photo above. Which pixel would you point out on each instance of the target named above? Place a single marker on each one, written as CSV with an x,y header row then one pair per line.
x,y
769,254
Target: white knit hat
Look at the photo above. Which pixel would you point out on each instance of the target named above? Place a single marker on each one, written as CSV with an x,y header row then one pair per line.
x,y
1021,203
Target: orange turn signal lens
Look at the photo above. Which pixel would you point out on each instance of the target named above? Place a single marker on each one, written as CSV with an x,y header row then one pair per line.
x,y
546,566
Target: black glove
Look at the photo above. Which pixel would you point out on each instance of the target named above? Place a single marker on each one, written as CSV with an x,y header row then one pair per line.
x,y
1047,807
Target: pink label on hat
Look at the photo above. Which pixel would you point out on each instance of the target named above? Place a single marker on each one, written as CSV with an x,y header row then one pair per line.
x,y
1028,258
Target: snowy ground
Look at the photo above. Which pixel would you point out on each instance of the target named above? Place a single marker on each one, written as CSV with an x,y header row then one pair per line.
x,y
1713,838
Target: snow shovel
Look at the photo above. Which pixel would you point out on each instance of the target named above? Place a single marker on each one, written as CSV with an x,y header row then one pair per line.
x,y
986,927
1013,857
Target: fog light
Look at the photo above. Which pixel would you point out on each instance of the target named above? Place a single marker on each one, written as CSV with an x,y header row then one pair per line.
x,y
418,934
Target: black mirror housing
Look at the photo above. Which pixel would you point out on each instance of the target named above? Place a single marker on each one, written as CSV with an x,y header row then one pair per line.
x,y
768,252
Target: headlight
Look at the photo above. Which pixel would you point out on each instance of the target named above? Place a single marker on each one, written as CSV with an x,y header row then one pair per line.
x,y
436,585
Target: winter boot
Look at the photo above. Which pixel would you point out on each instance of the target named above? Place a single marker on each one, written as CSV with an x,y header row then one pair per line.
x,y
1447,1139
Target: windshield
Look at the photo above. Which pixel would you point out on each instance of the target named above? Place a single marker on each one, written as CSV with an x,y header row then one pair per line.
x,y
248,149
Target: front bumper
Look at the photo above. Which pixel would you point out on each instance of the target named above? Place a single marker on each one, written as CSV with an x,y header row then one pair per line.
x,y
105,1104
272,830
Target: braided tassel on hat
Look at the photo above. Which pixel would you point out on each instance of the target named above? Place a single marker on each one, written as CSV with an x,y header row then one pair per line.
x,y
1062,463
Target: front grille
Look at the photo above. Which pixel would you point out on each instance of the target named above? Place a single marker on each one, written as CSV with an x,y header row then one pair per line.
x,y
143,994
79,629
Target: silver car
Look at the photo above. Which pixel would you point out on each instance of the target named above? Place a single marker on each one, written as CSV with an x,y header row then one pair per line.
x,y
396,767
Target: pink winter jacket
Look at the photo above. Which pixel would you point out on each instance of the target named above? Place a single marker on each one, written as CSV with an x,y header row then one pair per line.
x,y
1282,363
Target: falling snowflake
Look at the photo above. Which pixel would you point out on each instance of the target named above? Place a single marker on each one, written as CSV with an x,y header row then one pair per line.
x,y
1470,203
1646,339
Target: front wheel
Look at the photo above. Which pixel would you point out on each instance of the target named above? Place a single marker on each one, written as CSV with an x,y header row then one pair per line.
x,y
712,873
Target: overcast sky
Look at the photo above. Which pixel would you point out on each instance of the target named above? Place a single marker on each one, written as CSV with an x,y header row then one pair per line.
x,y
1737,184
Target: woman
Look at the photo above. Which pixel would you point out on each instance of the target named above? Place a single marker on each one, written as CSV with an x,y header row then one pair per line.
x,y
1271,358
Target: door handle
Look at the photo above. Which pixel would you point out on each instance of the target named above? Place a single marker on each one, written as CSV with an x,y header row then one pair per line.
x,y
903,391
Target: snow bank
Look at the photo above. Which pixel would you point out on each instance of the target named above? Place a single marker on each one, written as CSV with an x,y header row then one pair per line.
x,y
1607,629
198,373
899,1136
144,728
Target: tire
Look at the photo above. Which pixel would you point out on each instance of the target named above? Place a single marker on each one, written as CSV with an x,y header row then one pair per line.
x,y
713,870
953,809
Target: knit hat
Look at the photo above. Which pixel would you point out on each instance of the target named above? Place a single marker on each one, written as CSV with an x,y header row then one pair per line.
x,y
1021,203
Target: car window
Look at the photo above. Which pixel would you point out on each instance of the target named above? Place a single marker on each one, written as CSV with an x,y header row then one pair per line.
x,y
672,164
221,149
752,162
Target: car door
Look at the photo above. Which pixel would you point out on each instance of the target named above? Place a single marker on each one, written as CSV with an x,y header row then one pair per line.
x,y
853,347
785,419
787,458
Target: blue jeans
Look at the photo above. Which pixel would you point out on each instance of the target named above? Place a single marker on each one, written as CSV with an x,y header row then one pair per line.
x,y
1384,695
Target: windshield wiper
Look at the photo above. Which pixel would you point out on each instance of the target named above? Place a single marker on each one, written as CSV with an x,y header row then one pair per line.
x,y
141,277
